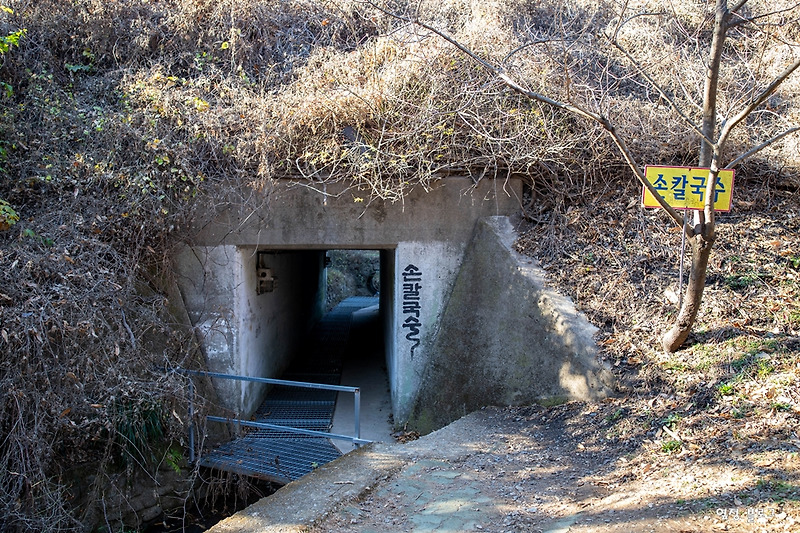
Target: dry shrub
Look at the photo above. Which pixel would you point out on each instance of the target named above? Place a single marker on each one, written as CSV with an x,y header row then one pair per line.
x,y
107,143
125,115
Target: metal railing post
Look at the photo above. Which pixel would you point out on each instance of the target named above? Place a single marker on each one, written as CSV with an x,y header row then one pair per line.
x,y
191,421
357,411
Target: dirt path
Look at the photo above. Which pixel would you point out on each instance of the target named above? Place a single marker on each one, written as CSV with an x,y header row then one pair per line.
x,y
579,467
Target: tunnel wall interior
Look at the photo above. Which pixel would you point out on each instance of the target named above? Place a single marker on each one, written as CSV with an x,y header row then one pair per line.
x,y
243,332
273,326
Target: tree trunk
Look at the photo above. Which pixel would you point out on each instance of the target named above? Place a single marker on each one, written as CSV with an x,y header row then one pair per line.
x,y
677,335
703,230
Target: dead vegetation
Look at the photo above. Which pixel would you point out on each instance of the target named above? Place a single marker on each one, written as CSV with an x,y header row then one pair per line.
x,y
715,425
119,118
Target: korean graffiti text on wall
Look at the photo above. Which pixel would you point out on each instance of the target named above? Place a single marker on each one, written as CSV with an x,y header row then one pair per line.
x,y
412,285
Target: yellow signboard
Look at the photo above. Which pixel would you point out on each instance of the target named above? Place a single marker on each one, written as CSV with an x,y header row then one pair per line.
x,y
685,187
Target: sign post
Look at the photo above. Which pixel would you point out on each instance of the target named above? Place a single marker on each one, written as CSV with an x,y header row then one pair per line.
x,y
685,188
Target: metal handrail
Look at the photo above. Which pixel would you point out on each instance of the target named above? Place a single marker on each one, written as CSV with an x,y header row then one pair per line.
x,y
356,440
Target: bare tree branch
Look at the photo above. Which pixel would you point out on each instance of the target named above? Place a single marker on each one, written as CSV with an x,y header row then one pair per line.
x,y
632,17
661,91
712,81
441,34
704,220
688,96
730,124
738,6
742,20
527,45
572,108
761,146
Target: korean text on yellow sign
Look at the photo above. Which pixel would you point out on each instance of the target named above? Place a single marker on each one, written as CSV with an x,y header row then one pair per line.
x,y
685,187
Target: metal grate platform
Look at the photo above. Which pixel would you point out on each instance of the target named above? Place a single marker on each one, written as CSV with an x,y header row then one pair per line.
x,y
274,457
281,456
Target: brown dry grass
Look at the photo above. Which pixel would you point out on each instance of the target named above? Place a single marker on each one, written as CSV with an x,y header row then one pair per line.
x,y
124,114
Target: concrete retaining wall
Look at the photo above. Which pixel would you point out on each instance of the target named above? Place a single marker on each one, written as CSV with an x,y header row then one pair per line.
x,y
505,338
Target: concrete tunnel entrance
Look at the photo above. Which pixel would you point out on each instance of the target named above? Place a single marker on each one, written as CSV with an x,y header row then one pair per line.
x,y
253,306
465,320
310,284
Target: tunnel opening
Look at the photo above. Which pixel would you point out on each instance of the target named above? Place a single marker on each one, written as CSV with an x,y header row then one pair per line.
x,y
286,334
330,319
350,273
354,277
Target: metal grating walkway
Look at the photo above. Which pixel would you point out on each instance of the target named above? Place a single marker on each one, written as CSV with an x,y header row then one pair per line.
x,y
281,456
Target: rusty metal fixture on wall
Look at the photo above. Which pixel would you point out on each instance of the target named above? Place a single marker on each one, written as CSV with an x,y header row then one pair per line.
x,y
266,281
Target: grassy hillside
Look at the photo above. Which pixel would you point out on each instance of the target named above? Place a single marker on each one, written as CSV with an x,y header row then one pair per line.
x,y
118,118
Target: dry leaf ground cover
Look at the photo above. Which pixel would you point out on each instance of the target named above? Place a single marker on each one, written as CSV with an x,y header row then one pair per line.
x,y
729,400
577,467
